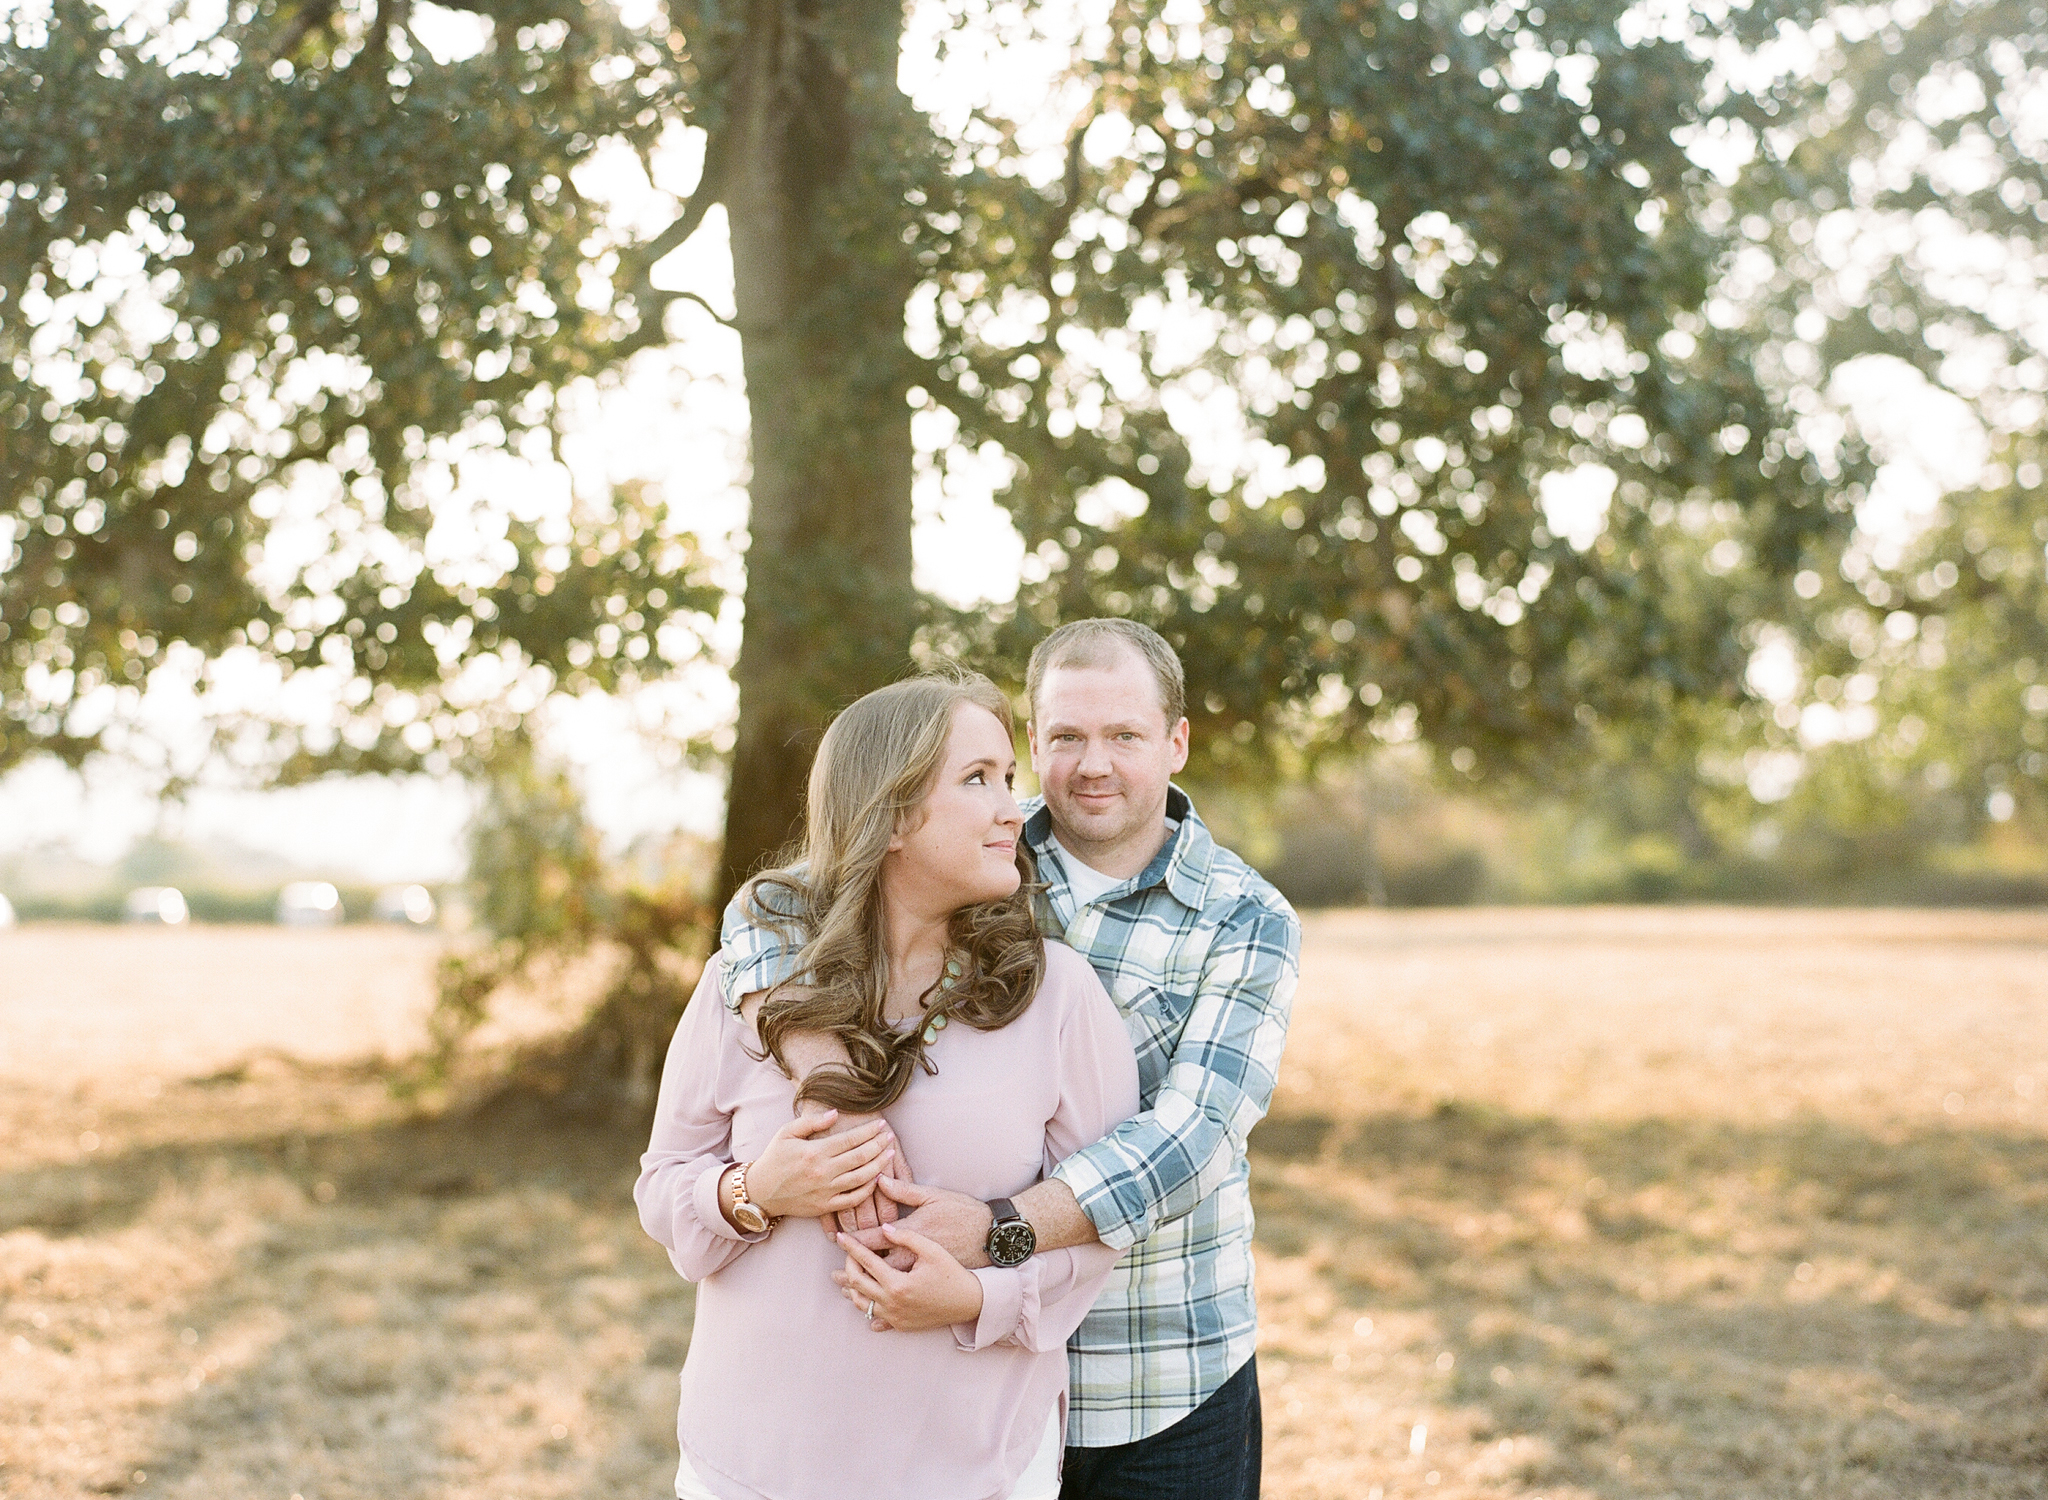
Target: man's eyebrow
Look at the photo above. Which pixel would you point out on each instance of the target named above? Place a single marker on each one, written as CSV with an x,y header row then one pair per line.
x,y
1057,727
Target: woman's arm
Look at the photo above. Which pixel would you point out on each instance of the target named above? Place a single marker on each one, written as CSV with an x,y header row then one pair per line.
x,y
689,1151
685,1192
751,961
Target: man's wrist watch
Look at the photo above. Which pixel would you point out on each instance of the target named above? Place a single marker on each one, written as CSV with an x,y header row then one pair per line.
x,y
746,1213
1011,1239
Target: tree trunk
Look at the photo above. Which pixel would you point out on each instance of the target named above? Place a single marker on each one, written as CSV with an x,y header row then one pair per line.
x,y
820,136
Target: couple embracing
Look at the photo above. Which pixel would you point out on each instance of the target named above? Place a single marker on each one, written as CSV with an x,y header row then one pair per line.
x,y
1007,1057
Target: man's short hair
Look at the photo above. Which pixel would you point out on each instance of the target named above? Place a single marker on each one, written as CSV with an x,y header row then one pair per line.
x,y
1095,643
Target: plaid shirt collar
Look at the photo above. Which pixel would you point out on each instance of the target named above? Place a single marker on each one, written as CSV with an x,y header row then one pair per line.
x,y
1181,865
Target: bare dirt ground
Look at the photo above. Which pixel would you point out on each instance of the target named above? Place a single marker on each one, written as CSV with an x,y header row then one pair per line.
x,y
1731,1205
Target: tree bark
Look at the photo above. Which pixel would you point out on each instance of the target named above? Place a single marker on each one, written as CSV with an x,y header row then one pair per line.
x,y
819,131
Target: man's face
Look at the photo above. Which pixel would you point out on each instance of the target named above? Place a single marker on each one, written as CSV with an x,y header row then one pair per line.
x,y
1104,754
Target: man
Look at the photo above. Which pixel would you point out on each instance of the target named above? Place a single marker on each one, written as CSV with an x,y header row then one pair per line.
x,y
1200,955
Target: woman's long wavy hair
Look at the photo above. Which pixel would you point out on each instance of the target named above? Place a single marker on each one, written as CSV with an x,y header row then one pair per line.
x,y
877,763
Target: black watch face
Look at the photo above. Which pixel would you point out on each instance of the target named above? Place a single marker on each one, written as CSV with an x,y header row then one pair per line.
x,y
1011,1243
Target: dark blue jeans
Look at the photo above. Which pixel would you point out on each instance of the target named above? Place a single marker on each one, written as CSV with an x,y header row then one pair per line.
x,y
1212,1453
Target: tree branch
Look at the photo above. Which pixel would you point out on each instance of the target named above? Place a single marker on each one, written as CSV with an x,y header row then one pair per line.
x,y
392,16
710,187
716,316
639,263
1142,215
312,15
1064,216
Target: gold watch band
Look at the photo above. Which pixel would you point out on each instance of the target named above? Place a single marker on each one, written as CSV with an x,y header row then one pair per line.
x,y
747,1215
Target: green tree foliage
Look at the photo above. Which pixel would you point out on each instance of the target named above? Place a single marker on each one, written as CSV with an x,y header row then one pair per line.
x,y
1436,253
1432,253
1918,232
297,251
548,904
1944,660
1917,222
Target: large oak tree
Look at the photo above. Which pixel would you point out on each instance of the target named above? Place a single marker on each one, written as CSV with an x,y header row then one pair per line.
x,y
1279,350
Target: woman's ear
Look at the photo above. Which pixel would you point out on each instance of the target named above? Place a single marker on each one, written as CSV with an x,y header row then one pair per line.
x,y
907,822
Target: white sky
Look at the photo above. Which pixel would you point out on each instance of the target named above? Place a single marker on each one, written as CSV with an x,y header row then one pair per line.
x,y
678,418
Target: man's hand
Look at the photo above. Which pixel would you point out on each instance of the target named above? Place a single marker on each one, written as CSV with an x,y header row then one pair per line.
x,y
954,1222
934,1291
1048,1206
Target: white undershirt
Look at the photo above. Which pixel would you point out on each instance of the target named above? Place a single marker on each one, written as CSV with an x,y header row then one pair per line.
x,y
1088,883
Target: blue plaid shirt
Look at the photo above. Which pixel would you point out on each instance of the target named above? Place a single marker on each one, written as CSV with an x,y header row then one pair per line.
x,y
1201,956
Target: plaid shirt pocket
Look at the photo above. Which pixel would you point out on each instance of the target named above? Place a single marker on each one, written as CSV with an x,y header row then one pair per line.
x,y
1155,1017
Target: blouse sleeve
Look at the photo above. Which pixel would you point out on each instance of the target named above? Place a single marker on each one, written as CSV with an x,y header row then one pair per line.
x,y
1039,1304
677,1192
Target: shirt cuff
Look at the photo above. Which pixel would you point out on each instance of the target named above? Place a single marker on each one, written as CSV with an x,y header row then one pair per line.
x,y
1097,1198
704,1198
728,978
1002,1308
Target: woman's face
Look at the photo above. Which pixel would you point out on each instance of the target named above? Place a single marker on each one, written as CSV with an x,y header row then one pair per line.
x,y
961,845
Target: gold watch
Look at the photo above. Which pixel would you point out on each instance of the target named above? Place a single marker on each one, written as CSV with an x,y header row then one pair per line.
x,y
746,1213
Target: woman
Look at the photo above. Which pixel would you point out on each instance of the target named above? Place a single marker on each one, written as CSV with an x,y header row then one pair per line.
x,y
990,1054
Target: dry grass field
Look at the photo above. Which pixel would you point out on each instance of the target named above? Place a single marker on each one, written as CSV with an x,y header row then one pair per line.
x,y
1730,1205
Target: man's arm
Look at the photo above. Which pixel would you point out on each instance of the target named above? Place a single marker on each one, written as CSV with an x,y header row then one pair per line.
x,y
1157,1165
1160,1163
752,958
959,1224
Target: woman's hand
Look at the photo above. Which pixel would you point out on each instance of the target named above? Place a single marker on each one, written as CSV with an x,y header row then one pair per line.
x,y
935,1292
805,1052
806,1174
877,1209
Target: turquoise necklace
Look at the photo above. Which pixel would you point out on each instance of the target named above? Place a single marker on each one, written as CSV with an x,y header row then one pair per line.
x,y
947,981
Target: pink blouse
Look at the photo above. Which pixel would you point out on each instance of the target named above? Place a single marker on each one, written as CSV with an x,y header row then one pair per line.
x,y
787,1394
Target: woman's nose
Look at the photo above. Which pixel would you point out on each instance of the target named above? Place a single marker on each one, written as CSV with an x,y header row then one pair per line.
x,y
1010,814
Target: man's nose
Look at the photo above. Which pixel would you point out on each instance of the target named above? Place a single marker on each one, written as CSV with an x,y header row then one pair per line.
x,y
1095,759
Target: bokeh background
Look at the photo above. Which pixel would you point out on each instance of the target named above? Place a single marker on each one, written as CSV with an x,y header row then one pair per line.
x,y
453,460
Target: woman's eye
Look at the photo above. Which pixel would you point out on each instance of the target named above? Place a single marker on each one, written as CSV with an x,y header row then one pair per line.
x,y
976,778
